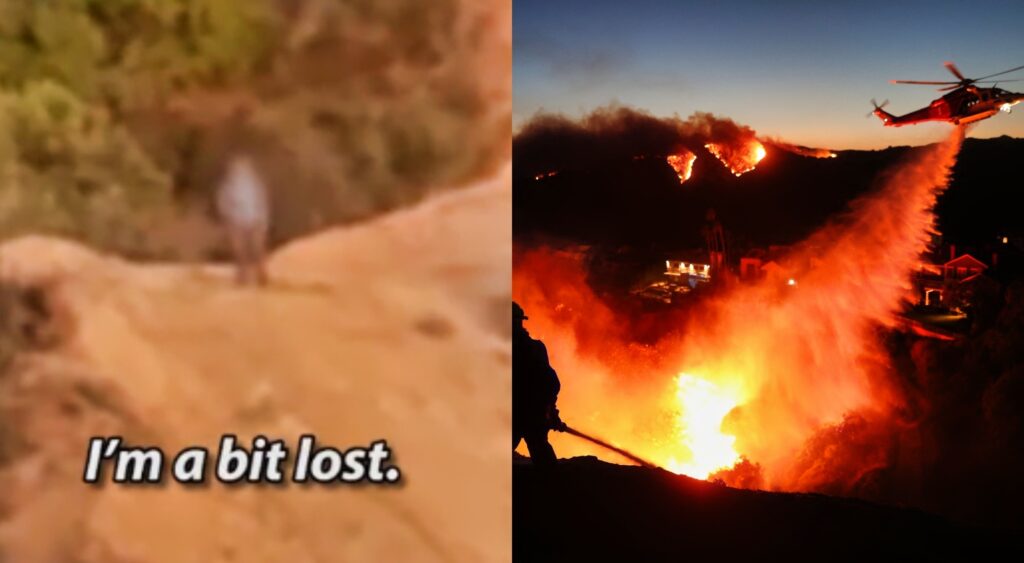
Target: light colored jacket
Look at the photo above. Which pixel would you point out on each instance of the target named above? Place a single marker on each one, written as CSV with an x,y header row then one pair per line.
x,y
242,197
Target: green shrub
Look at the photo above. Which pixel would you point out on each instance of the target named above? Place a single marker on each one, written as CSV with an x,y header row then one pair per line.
x,y
67,168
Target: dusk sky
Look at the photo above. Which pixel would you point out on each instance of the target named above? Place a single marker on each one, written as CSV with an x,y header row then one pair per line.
x,y
801,70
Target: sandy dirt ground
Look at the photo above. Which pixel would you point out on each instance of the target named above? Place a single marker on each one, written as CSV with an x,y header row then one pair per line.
x,y
397,328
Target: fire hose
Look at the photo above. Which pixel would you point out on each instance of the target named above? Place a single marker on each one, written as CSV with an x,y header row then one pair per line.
x,y
597,441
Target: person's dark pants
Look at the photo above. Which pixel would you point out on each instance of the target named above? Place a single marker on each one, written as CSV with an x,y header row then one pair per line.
x,y
248,242
541,452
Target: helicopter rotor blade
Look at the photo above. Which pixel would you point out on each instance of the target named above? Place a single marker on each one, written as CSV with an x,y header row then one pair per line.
x,y
1001,81
998,73
921,82
956,72
947,88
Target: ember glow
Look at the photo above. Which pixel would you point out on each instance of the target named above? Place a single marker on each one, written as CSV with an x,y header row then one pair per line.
x,y
682,163
800,149
739,158
546,175
767,372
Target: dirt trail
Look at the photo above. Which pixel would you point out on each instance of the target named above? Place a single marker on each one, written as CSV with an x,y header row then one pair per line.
x,y
396,329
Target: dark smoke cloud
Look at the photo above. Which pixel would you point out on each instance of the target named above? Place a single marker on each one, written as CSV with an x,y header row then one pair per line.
x,y
551,142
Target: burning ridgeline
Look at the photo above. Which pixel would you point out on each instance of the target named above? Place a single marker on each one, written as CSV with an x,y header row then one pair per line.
x,y
551,143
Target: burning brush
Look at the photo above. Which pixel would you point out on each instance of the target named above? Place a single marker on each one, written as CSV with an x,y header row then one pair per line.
x,y
739,158
682,163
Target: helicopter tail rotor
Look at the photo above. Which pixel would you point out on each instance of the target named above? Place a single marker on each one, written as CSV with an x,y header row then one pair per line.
x,y
887,118
878,107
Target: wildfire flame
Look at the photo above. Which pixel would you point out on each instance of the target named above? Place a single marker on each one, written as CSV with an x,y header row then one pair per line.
x,y
543,175
738,158
703,405
682,163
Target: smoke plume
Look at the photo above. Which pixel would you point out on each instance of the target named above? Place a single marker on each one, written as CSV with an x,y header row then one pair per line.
x,y
552,142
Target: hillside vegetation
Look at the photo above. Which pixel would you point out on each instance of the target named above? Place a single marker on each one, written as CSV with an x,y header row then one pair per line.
x,y
116,115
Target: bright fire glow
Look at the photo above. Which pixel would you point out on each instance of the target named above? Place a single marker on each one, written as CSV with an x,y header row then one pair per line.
x,y
800,149
702,407
739,159
682,163
546,175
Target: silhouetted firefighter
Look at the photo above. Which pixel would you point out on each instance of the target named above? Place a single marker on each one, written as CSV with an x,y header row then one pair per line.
x,y
535,389
242,201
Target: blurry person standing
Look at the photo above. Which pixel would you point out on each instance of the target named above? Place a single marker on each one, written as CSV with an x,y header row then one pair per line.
x,y
244,206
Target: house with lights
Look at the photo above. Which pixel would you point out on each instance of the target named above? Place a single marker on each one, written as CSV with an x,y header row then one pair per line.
x,y
679,278
760,263
935,283
691,273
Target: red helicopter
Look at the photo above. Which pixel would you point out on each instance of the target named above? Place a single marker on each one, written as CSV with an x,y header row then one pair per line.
x,y
966,103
